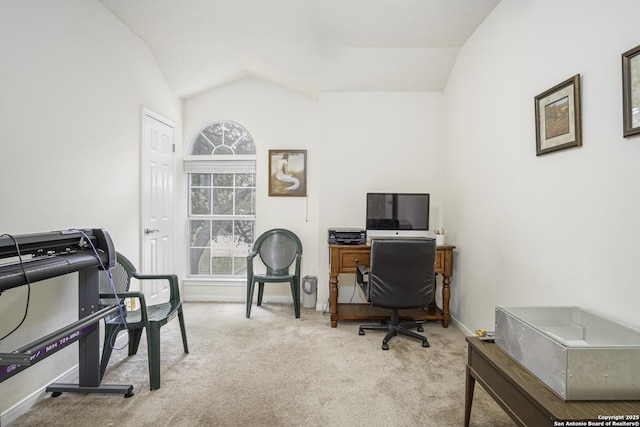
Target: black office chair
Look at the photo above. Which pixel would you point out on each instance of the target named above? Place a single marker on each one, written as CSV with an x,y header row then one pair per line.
x,y
148,317
400,276
279,249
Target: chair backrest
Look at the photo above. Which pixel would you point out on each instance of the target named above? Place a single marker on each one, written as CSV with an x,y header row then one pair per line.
x,y
278,249
121,274
402,272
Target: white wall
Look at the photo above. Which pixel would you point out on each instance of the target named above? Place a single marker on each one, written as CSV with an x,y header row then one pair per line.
x,y
375,142
356,142
73,81
276,118
559,229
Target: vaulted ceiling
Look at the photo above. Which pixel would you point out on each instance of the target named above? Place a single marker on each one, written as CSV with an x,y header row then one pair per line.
x,y
310,46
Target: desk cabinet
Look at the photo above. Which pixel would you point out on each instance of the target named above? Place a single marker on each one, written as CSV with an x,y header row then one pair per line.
x,y
346,258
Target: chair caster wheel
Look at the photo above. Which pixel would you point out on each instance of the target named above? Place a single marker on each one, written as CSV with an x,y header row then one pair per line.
x,y
360,332
420,328
425,343
56,394
385,346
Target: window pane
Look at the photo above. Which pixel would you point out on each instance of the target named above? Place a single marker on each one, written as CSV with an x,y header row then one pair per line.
x,y
223,149
200,231
213,133
235,133
222,232
245,180
223,179
223,137
223,201
222,244
245,146
244,232
200,201
240,253
240,266
201,146
221,260
200,179
245,201
199,261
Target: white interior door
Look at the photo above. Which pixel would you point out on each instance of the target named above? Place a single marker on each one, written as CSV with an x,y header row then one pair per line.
x,y
157,203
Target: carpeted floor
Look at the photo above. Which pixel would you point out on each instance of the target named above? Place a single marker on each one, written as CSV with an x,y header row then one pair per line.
x,y
276,370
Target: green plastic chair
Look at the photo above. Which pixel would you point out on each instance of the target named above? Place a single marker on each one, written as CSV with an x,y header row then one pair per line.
x,y
151,318
279,249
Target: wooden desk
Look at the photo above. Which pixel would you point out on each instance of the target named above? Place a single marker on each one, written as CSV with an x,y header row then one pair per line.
x,y
345,258
526,399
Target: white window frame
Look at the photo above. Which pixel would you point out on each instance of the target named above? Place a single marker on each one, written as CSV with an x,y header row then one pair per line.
x,y
211,164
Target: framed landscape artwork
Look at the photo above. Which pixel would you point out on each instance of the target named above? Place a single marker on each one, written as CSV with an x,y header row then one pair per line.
x,y
558,117
631,91
288,173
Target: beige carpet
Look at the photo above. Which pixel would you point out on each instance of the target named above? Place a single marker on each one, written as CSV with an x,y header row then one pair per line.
x,y
276,370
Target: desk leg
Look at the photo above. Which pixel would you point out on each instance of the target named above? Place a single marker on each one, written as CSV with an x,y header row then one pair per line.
x,y
446,296
333,299
468,398
431,308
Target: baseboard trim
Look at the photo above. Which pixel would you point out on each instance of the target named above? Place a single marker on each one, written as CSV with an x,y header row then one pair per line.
x,y
219,298
459,326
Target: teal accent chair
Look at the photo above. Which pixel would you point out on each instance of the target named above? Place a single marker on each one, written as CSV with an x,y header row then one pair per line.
x,y
279,249
148,317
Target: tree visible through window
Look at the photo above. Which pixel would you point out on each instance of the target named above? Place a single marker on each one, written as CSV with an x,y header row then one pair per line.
x,y
222,190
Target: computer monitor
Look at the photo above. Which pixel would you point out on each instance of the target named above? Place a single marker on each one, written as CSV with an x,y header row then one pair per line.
x,y
397,214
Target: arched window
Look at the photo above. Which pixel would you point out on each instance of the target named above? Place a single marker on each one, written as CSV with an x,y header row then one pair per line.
x,y
221,168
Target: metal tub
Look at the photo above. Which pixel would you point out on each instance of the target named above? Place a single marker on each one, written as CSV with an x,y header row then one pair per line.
x,y
578,354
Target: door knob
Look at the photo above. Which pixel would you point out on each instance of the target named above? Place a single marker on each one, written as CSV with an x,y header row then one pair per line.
x,y
149,231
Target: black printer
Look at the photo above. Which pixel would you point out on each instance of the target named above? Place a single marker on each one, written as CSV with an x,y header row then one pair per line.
x,y
347,236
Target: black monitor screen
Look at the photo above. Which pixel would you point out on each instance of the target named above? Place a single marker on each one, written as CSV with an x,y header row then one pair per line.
x,y
397,211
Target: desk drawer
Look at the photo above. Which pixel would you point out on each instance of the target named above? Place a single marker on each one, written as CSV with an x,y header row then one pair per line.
x,y
350,259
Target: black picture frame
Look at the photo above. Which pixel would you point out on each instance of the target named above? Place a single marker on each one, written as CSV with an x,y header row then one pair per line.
x,y
559,117
631,91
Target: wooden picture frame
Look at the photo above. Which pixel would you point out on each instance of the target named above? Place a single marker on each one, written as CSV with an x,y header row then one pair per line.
x,y
558,117
631,91
288,173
